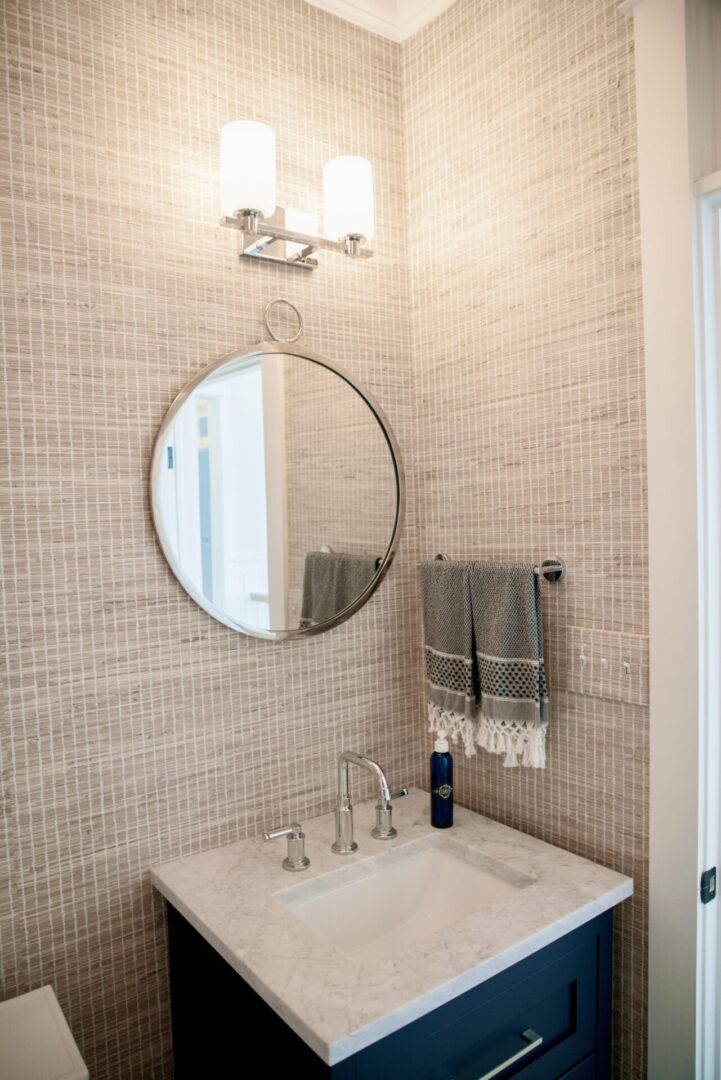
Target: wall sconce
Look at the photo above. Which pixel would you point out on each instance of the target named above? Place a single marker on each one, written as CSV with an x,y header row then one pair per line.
x,y
274,234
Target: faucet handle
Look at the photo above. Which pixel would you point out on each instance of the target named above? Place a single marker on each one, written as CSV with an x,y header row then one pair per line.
x,y
293,830
400,793
296,858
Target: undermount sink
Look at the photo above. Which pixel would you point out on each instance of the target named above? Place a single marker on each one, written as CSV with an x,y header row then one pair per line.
x,y
383,904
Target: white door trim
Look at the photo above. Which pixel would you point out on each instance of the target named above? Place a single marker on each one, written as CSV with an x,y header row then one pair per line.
x,y
674,558
708,336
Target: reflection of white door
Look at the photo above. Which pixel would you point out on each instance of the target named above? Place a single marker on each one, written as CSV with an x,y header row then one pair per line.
x,y
179,496
239,518
253,493
210,502
276,490
224,499
242,501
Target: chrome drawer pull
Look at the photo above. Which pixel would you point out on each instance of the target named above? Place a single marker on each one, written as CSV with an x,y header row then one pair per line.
x,y
532,1038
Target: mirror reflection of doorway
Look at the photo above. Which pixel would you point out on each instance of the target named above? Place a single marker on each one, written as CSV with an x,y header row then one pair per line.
x,y
234,446
204,498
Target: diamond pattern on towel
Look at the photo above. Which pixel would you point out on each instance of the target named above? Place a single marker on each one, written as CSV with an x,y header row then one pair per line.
x,y
521,679
453,672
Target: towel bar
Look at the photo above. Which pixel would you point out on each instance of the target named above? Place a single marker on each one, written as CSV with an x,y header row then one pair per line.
x,y
552,569
326,549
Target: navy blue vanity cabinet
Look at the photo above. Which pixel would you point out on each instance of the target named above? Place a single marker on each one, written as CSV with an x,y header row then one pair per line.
x,y
562,994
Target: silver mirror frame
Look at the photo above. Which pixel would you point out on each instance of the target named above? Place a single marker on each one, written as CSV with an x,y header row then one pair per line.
x,y
260,349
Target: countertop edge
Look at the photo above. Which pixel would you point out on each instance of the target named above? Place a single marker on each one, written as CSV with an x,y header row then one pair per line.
x,y
240,968
338,1051
475,976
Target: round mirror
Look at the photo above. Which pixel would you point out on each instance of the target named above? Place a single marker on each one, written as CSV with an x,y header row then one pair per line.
x,y
277,492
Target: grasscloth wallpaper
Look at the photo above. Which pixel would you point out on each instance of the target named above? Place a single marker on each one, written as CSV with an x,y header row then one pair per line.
x,y
134,728
528,373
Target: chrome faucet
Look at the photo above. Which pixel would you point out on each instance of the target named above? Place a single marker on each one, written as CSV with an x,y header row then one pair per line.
x,y
383,830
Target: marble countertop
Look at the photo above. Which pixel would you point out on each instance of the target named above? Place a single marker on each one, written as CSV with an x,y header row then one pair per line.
x,y
337,1004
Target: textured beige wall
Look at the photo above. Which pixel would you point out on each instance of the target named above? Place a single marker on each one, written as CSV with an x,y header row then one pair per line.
x,y
529,386
136,729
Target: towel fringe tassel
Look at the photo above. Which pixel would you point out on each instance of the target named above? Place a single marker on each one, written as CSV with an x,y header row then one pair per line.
x,y
496,736
455,725
515,741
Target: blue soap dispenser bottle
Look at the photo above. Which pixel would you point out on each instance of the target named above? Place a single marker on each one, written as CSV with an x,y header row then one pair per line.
x,y
441,784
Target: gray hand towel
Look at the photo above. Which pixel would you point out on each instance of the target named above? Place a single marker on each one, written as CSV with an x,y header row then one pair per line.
x,y
484,671
448,650
331,582
508,640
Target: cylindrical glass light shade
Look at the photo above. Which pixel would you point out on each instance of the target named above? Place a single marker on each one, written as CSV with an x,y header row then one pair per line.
x,y
348,198
247,167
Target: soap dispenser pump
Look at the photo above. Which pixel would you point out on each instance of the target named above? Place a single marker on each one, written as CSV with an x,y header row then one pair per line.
x,y
441,784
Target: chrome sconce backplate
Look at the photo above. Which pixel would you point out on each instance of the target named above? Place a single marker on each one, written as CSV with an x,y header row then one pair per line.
x,y
268,240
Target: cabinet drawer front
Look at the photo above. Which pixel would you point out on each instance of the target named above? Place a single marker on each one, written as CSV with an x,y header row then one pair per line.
x,y
496,1037
587,1070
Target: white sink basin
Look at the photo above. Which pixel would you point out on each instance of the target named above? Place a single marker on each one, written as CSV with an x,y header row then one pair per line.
x,y
375,908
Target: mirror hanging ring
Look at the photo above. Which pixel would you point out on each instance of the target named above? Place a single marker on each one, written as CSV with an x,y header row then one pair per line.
x,y
266,319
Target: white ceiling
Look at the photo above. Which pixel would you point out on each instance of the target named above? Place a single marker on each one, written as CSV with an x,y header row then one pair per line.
x,y
394,19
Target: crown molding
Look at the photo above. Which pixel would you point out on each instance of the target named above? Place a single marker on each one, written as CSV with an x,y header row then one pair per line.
x,y
392,19
414,14
380,16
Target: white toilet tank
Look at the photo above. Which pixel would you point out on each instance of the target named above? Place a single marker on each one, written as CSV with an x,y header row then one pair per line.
x,y
35,1040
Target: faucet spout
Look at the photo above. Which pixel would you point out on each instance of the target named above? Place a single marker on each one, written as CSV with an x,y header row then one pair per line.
x,y
349,757
344,842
